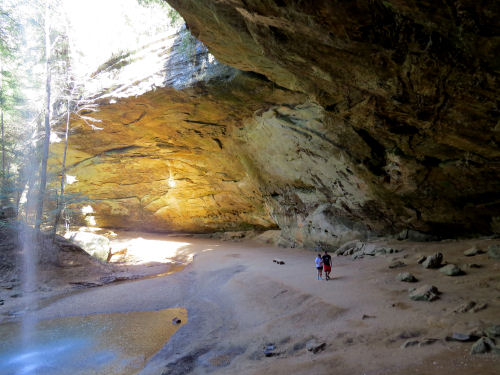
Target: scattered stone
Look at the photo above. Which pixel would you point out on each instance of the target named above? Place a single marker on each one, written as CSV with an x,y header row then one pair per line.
x,y
315,346
425,293
176,320
473,251
269,350
369,249
358,255
466,307
1,302
433,261
451,270
462,337
494,251
383,251
406,277
349,248
409,343
493,331
483,345
421,259
367,317
428,341
278,261
16,295
397,264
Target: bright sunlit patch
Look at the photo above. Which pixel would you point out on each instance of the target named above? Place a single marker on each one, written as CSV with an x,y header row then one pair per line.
x,y
141,250
90,220
54,138
71,179
87,209
171,182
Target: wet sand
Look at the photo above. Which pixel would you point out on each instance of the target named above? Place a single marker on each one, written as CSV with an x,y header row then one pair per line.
x,y
238,301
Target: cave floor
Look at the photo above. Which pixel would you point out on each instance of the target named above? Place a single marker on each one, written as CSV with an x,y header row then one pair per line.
x,y
239,301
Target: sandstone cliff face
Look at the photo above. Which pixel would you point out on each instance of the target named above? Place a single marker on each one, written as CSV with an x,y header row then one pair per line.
x,y
337,120
402,124
161,155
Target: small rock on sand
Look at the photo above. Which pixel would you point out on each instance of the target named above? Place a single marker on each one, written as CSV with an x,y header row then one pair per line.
x,y
493,331
483,345
269,350
176,320
425,293
473,251
451,270
315,346
433,261
406,277
278,261
465,307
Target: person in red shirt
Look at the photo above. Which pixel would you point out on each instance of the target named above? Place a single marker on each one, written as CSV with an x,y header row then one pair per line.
x,y
327,265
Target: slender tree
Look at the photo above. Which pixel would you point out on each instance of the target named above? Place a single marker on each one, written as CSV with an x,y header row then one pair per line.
x,y
46,139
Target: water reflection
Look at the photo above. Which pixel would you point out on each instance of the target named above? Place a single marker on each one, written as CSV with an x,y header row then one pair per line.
x,y
94,344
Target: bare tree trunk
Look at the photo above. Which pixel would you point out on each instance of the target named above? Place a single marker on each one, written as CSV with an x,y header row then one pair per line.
x,y
46,140
60,200
3,147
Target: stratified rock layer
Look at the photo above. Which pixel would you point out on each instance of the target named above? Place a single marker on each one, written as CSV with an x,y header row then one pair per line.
x,y
160,154
402,128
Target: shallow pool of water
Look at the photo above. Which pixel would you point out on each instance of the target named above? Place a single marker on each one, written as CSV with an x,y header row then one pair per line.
x,y
120,343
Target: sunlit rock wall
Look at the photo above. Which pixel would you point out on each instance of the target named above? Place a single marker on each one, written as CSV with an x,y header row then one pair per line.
x,y
159,154
409,97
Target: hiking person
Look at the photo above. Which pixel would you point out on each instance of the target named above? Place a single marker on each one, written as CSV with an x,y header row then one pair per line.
x,y
327,264
319,266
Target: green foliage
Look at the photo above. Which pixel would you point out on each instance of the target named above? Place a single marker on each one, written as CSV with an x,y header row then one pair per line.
x,y
187,45
173,15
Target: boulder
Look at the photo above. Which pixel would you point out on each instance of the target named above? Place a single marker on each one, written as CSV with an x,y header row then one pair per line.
x,y
424,293
433,261
493,331
406,277
451,270
483,345
94,244
354,245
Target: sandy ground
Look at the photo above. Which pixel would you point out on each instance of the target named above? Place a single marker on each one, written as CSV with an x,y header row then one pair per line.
x,y
239,301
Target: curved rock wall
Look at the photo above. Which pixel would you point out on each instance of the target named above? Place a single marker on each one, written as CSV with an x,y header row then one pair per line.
x,y
409,92
160,155
336,120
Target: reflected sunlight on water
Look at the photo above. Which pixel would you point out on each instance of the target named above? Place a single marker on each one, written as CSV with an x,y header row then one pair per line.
x,y
108,344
